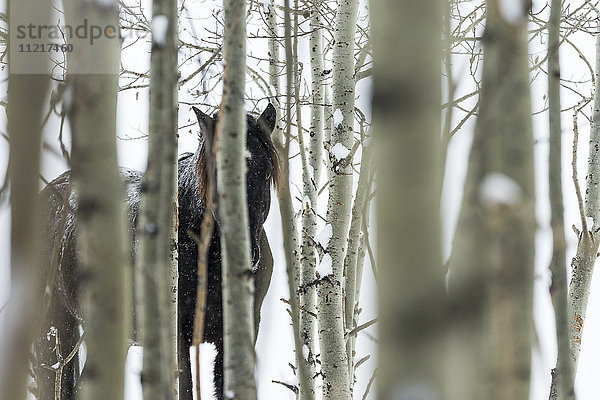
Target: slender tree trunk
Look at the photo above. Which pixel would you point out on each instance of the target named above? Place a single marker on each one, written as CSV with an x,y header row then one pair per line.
x,y
563,379
26,96
589,238
238,286
351,263
159,213
406,125
334,360
290,234
101,224
308,320
491,269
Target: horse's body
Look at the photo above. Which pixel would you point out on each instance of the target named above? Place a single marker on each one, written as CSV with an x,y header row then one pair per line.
x,y
59,229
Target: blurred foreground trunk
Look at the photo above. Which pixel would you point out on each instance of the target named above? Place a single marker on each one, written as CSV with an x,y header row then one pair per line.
x,y
491,267
104,280
26,96
406,126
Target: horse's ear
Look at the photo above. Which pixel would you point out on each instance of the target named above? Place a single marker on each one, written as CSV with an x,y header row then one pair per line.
x,y
267,119
207,124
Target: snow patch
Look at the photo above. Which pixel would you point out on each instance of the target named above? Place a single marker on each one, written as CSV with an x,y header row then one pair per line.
x,y
339,151
590,222
311,172
498,189
325,266
248,154
305,351
230,394
160,24
512,10
306,203
338,118
324,236
51,333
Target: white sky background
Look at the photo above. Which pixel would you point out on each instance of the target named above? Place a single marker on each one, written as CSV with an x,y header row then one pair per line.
x,y
275,348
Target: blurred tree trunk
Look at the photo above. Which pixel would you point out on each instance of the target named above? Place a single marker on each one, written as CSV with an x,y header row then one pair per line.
x,y
231,185
158,261
406,124
491,268
26,96
104,282
563,379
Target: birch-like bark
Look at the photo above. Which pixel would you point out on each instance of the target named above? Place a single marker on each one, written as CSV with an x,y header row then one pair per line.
x,y
311,182
26,97
589,239
563,379
491,269
238,287
158,261
101,224
352,256
290,234
334,361
406,124
274,67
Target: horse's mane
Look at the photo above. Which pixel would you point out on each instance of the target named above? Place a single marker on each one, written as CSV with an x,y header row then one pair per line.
x,y
265,139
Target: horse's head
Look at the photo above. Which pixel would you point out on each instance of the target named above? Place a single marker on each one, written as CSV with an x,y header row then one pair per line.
x,y
262,168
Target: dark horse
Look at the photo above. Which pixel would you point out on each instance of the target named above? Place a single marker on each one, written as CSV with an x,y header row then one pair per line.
x,y
60,256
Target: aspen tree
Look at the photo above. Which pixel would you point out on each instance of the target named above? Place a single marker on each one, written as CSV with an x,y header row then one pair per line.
x,y
406,129
26,94
589,237
238,287
491,267
308,321
101,225
158,261
563,373
334,360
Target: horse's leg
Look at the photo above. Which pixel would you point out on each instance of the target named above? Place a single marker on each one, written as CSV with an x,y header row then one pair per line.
x,y
68,329
185,370
184,338
219,369
262,279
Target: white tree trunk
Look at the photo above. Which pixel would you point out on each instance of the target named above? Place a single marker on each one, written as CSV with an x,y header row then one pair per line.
x,y
238,287
334,362
353,276
158,256
308,320
589,238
